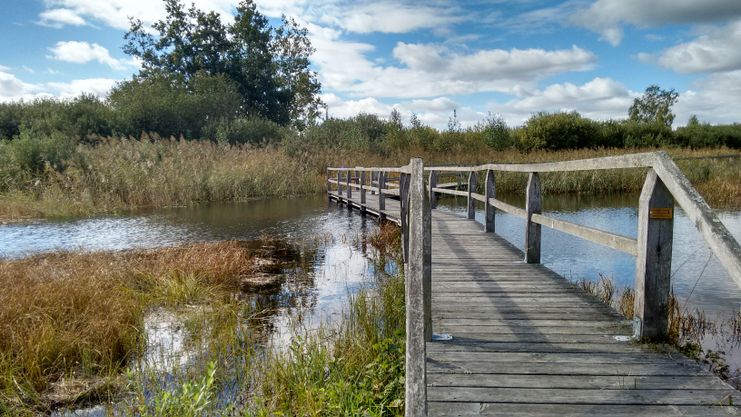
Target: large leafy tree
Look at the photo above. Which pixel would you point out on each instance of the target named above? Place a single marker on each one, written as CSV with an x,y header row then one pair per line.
x,y
654,106
269,65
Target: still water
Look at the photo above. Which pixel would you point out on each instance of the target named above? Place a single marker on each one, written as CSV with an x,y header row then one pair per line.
x,y
697,277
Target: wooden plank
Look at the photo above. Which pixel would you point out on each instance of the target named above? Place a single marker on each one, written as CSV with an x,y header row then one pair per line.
x,y
586,396
489,210
606,382
532,229
440,408
627,369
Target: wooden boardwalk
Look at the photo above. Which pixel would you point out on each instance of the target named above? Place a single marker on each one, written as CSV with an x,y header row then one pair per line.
x,y
526,342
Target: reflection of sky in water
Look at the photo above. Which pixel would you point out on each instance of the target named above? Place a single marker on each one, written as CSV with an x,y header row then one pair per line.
x,y
576,258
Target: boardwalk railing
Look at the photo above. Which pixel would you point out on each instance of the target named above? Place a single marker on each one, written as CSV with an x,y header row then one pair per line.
x,y
664,186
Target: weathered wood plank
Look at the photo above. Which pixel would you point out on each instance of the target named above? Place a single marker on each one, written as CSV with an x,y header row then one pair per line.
x,y
467,409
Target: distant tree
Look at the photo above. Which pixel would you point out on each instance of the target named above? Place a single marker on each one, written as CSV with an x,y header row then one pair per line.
x,y
414,121
269,66
693,121
454,125
654,106
395,119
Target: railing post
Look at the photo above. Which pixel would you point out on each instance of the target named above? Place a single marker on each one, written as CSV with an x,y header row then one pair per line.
x,y
339,185
654,260
381,195
489,210
362,191
349,188
404,214
418,289
472,181
373,181
433,184
532,232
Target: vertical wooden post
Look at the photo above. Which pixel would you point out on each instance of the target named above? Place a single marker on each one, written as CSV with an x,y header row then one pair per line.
x,y
654,260
373,181
472,181
362,191
339,186
433,184
381,195
489,210
418,289
404,214
532,232
349,188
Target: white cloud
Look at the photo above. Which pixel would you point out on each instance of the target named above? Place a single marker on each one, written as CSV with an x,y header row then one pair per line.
x,y
13,89
715,50
96,86
600,98
715,99
607,17
116,13
61,17
84,52
396,17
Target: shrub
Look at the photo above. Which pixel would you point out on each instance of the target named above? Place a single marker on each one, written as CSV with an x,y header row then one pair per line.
x,y
253,130
557,131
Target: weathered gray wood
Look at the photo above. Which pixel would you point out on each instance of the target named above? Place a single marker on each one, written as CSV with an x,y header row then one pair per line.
x,y
404,215
611,240
432,185
339,183
416,283
532,229
362,191
489,210
472,180
720,240
381,187
467,409
654,260
349,185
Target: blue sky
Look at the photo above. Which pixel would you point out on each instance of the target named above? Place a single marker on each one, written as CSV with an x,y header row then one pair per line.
x,y
509,58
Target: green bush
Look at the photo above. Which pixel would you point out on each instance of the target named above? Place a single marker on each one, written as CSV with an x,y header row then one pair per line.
x,y
27,156
555,131
254,130
704,136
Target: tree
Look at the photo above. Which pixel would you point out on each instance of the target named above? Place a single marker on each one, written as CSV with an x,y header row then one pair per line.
x,y
269,66
654,106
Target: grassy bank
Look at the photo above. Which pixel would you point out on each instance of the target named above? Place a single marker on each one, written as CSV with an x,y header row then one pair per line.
x,y
73,331
119,174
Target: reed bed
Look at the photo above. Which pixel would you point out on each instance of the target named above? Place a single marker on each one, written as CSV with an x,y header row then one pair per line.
x,y
119,174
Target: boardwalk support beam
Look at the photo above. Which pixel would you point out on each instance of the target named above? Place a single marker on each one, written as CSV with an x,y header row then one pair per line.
x,y
654,260
418,288
404,203
532,231
362,191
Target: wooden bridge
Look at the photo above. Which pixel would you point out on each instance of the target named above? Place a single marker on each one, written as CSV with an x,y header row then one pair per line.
x,y
513,338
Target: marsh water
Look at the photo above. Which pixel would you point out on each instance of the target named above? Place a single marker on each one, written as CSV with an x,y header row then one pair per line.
x,y
698,279
340,263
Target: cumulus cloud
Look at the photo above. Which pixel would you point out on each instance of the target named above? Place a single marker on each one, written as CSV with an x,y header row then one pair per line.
x,y
61,17
715,99
116,13
84,52
717,49
427,70
395,17
607,17
600,98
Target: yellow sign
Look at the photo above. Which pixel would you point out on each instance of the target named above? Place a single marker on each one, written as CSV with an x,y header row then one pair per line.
x,y
661,213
